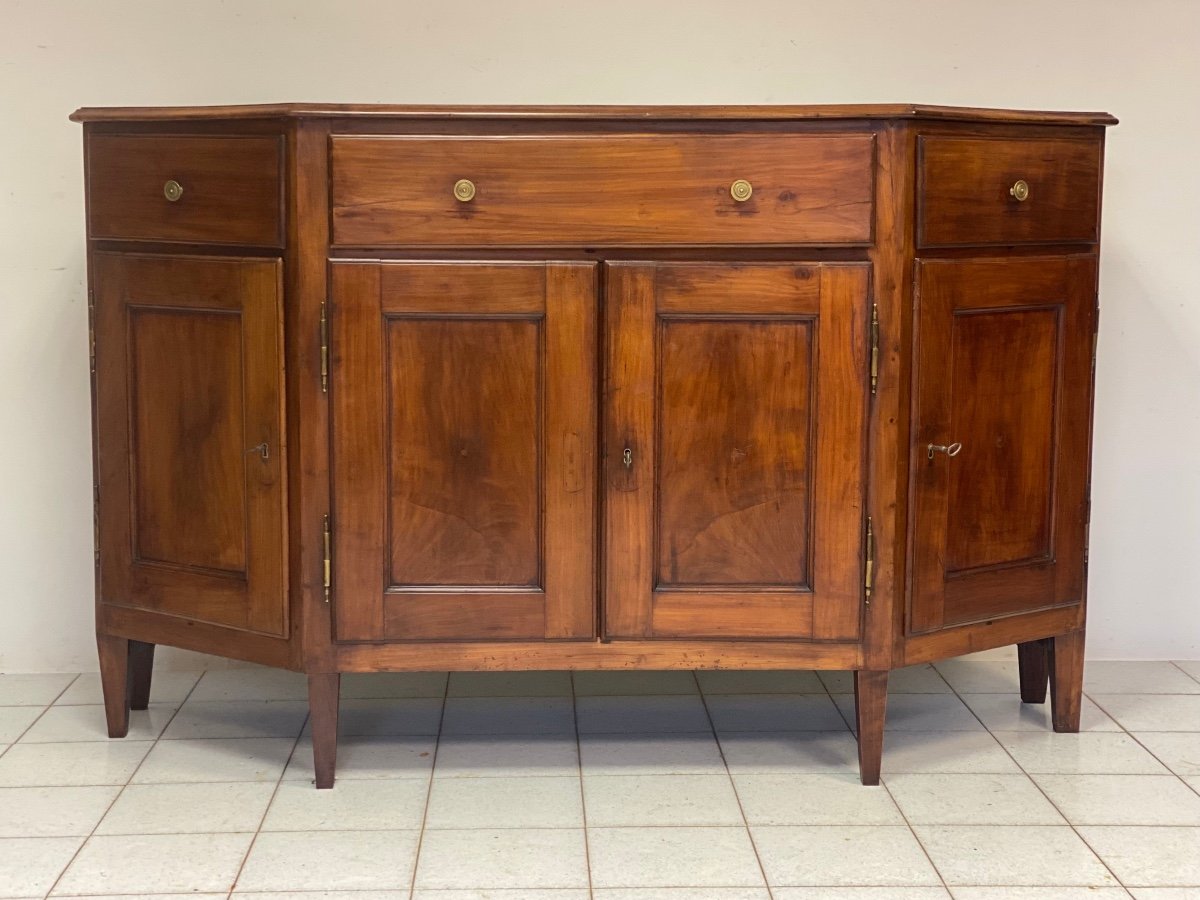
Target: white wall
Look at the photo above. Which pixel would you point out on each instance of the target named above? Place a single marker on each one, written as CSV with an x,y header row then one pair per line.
x,y
1136,58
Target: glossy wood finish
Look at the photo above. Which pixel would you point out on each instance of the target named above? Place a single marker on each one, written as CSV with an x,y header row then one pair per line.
x,y
965,191
714,377
231,189
870,707
469,449
463,409
191,511
1004,364
671,189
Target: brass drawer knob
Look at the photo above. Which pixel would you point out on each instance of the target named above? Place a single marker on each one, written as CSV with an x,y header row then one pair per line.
x,y
741,190
464,190
1020,190
172,190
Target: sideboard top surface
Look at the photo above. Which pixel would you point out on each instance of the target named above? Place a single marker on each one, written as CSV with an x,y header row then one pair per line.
x,y
631,113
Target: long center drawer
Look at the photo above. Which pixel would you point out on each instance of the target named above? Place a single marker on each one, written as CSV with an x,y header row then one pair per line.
x,y
616,190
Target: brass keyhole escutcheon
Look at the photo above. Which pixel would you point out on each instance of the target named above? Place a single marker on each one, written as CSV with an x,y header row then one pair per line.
x,y
627,458
172,190
1020,190
464,190
741,190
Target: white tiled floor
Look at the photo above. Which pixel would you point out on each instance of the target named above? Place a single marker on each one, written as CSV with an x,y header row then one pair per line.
x,y
605,786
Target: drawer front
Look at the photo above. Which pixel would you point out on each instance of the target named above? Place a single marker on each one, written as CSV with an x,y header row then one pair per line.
x,y
623,190
971,191
229,189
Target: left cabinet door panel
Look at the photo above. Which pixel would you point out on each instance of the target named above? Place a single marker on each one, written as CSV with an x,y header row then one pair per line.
x,y
189,426
464,421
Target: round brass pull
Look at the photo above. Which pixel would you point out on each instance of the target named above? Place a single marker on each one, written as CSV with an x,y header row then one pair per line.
x,y
1020,190
464,190
741,190
172,190
950,450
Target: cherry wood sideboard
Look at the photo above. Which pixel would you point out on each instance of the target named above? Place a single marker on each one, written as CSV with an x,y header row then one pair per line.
x,y
384,388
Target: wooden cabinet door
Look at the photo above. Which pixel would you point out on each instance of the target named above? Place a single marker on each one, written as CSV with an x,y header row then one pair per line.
x,y
1003,368
189,438
464,421
735,439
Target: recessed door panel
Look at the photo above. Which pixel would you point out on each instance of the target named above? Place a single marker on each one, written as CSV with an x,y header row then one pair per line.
x,y
1004,370
734,446
189,376
463,400
464,444
734,469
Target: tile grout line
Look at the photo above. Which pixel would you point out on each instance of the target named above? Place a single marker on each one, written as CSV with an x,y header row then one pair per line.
x,y
267,810
1175,663
45,709
587,841
1133,737
127,782
733,785
437,743
1039,788
883,784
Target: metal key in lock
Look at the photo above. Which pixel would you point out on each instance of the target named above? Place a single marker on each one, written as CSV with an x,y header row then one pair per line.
x,y
949,449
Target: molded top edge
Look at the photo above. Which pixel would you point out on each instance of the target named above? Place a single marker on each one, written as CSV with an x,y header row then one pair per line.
x,y
633,113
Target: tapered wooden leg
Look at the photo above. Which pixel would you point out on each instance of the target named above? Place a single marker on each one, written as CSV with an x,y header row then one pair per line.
x,y
1033,658
141,668
323,694
870,704
114,682
1066,680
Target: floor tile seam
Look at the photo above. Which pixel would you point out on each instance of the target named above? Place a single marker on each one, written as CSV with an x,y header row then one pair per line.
x,y
437,743
270,802
1175,663
1039,788
924,850
120,788
762,869
1134,738
587,844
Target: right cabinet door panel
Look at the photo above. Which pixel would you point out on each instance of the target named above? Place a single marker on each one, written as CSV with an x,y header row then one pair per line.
x,y
1003,368
735,410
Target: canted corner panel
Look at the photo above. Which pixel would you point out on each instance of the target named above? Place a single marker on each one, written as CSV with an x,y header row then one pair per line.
x,y
189,386
1003,369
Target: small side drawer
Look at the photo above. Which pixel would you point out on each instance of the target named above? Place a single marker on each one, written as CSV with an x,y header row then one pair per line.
x,y
596,189
226,190
1007,191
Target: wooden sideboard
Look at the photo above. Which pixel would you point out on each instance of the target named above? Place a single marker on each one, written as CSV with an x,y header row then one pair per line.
x,y
385,388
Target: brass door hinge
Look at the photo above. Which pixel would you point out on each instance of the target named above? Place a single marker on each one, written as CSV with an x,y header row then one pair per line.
x,y
327,538
869,576
874,346
91,314
324,349
96,523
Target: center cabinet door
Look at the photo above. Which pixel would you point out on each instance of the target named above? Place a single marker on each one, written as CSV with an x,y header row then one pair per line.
x,y
464,421
735,444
